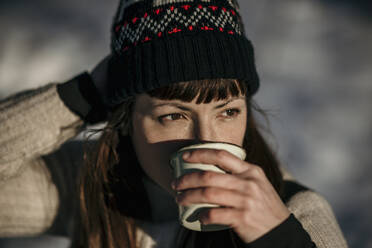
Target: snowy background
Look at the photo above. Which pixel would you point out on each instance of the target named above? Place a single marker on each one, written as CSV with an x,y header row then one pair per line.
x,y
315,62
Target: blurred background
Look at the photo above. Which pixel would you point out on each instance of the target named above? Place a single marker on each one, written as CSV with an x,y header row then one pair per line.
x,y
315,62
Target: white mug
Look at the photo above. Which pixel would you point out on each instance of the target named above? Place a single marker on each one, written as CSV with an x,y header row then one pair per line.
x,y
188,215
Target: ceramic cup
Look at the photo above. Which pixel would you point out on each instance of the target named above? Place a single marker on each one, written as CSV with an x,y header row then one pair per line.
x,y
188,215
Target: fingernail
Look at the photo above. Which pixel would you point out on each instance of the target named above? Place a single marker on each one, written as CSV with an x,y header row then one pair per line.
x,y
186,155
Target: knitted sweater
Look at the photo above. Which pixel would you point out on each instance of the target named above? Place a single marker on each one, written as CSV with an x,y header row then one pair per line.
x,y
38,172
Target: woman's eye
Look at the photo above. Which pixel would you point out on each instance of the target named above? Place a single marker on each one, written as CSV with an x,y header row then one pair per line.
x,y
170,117
230,113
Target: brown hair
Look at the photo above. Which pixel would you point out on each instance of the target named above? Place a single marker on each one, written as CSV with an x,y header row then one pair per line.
x,y
111,188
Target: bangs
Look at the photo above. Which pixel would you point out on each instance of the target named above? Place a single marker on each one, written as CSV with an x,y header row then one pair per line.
x,y
205,91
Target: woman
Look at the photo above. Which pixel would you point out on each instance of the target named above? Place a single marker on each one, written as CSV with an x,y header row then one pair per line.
x,y
181,72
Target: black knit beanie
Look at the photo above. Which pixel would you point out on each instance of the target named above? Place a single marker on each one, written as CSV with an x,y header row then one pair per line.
x,y
159,42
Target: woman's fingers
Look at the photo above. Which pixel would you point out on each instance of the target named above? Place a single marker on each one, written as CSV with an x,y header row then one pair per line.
x,y
212,195
221,216
211,179
226,161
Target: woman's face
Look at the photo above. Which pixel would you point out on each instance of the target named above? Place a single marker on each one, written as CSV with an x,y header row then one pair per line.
x,y
161,127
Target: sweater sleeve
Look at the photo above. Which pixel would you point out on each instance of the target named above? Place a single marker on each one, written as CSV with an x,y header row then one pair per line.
x,y
33,123
317,218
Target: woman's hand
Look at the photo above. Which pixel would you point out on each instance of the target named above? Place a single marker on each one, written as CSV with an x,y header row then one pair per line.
x,y
250,204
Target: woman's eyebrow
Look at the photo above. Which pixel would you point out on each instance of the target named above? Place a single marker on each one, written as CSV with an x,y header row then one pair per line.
x,y
227,102
173,104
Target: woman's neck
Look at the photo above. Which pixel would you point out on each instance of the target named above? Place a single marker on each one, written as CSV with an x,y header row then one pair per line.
x,y
163,205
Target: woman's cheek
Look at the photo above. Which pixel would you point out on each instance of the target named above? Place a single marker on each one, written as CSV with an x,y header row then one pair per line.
x,y
231,131
170,131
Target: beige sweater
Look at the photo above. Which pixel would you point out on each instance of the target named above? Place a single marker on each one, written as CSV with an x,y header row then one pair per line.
x,y
36,123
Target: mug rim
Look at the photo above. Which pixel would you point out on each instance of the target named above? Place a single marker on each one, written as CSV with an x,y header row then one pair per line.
x,y
201,146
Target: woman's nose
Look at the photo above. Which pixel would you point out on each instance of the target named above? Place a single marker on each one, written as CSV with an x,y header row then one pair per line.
x,y
204,131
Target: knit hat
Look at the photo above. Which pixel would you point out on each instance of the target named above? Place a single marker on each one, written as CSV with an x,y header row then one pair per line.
x,y
159,42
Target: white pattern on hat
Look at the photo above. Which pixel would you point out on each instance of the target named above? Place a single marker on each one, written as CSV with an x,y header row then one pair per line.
x,y
126,3
133,35
163,2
